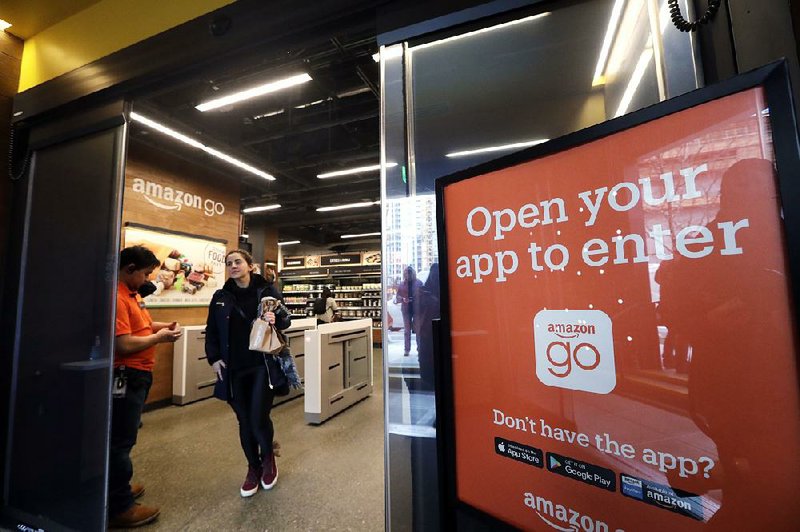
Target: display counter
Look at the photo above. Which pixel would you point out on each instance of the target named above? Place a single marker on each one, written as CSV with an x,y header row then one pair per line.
x,y
297,346
192,377
338,367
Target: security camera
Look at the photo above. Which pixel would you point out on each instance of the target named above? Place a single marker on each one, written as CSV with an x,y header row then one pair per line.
x,y
220,25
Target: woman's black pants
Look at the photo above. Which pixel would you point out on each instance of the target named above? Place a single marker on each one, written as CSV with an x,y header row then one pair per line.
x,y
252,401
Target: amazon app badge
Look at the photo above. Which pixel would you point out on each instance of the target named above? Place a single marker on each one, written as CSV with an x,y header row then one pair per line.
x,y
574,349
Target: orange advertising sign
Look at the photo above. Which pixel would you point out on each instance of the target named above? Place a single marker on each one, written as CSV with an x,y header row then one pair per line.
x,y
622,334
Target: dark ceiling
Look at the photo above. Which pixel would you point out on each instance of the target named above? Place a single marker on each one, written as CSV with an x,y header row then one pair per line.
x,y
330,123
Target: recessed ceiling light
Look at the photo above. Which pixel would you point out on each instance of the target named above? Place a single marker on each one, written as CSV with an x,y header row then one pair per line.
x,y
504,147
288,243
253,92
261,208
4,25
361,235
349,206
359,170
161,128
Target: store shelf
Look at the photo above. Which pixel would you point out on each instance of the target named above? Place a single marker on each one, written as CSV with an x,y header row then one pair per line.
x,y
299,291
346,290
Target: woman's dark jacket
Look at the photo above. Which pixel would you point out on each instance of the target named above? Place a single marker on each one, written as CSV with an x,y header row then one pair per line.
x,y
218,325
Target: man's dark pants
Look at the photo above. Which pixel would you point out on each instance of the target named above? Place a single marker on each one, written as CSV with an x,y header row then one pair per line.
x,y
126,414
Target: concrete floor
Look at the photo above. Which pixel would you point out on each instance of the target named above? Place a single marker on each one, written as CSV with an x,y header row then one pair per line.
x,y
330,476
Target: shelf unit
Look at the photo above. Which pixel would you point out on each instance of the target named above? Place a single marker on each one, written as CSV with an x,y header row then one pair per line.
x,y
358,296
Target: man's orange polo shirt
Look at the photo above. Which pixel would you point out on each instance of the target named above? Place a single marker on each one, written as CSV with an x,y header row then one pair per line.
x,y
133,319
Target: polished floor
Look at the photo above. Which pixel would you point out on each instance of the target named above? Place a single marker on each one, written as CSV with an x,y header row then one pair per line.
x,y
330,476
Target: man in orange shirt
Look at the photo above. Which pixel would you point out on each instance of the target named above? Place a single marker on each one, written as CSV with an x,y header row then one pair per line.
x,y
135,348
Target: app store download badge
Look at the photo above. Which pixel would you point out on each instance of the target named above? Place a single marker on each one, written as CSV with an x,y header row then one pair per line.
x,y
574,349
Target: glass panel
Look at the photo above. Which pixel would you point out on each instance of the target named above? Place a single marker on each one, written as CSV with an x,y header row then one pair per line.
x,y
61,398
471,98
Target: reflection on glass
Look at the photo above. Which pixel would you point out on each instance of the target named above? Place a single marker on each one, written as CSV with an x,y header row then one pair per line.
x,y
660,330
539,78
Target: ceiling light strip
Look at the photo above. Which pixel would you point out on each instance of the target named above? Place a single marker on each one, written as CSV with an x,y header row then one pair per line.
x,y
480,31
136,117
349,206
141,119
353,92
261,208
288,243
253,92
359,170
362,235
265,115
311,104
237,163
504,147
605,50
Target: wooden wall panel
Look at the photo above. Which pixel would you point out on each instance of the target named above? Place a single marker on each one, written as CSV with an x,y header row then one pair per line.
x,y
271,245
10,62
146,165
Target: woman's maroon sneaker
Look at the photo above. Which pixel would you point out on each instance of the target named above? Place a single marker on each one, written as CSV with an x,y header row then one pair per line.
x,y
250,486
269,472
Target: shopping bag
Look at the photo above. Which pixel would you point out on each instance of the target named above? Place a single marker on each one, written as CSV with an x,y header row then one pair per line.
x,y
264,337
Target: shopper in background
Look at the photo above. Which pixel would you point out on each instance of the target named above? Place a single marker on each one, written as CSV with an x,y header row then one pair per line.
x,y
428,311
271,275
407,293
243,376
325,308
135,342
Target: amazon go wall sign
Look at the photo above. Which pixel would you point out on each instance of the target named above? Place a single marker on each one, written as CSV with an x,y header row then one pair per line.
x,y
173,199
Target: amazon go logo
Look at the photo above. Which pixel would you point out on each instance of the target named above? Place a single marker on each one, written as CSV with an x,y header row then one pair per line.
x,y
575,350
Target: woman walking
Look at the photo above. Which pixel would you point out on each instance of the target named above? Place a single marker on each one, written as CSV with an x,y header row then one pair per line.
x,y
245,378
